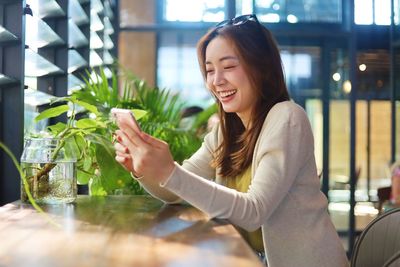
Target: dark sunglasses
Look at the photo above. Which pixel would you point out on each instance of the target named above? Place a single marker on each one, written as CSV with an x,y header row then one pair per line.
x,y
237,21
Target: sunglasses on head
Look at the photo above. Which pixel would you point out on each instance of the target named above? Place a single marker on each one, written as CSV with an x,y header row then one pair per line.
x,y
237,20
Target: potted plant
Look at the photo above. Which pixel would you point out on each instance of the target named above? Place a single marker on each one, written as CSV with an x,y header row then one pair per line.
x,y
159,114
89,140
89,137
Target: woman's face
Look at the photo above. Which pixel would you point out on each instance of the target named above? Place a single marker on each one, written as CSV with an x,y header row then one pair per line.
x,y
227,80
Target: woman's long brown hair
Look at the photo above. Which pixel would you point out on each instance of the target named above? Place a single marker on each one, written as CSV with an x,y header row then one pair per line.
x,y
259,54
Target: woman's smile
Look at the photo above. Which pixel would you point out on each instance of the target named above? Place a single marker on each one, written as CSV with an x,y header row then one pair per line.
x,y
226,95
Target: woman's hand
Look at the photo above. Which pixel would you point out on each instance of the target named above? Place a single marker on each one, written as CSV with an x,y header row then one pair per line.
x,y
143,154
123,157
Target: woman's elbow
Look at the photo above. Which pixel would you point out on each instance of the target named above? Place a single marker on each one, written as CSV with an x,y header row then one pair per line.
x,y
172,200
253,217
251,227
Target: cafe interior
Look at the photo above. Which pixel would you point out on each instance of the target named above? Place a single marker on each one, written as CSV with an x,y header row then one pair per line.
x,y
341,62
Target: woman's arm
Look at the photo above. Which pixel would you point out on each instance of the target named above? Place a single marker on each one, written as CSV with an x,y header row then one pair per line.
x,y
198,163
154,189
285,146
123,156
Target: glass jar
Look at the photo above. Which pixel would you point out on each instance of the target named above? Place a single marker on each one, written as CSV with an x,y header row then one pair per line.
x,y
50,173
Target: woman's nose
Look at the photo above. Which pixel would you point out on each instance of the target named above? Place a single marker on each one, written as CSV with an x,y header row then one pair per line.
x,y
219,78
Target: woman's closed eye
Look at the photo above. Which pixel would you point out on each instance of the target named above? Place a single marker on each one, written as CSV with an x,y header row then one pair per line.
x,y
229,67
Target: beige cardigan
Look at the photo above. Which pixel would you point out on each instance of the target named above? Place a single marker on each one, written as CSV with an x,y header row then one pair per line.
x,y
284,197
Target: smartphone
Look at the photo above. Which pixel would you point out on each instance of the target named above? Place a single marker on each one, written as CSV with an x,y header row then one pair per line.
x,y
125,115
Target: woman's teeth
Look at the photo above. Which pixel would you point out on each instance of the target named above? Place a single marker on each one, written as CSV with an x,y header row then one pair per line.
x,y
227,93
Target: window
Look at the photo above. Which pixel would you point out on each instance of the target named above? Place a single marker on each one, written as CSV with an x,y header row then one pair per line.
x,y
194,11
367,12
363,12
178,68
294,11
382,12
301,67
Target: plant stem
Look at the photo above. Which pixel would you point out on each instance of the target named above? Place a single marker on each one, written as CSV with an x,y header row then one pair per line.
x,y
26,186
44,171
48,166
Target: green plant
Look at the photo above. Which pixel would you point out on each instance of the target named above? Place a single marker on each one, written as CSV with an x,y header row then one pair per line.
x,y
163,108
163,118
90,137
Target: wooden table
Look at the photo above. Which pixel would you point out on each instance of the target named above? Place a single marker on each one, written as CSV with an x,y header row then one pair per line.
x,y
118,231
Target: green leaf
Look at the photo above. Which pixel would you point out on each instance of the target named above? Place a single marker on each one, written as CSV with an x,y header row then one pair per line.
x,y
81,143
83,177
55,100
95,187
52,112
87,163
101,140
139,113
87,106
57,128
72,132
113,176
85,123
100,124
71,148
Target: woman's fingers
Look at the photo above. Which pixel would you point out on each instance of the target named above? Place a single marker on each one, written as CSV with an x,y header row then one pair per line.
x,y
120,159
132,134
148,156
123,154
125,140
120,148
151,140
126,134
125,162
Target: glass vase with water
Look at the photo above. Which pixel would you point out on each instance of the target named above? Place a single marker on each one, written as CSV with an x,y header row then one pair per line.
x,y
49,171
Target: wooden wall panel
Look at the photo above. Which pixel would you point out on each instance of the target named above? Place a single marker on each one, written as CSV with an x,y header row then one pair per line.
x,y
137,12
137,53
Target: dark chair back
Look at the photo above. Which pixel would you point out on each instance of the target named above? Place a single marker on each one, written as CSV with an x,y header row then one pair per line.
x,y
379,241
394,261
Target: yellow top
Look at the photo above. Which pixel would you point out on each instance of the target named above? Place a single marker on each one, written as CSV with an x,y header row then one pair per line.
x,y
241,183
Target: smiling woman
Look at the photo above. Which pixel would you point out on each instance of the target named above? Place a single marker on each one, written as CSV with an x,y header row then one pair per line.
x,y
225,74
256,168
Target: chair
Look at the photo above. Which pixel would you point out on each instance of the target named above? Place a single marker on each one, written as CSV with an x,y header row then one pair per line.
x,y
379,241
394,261
383,195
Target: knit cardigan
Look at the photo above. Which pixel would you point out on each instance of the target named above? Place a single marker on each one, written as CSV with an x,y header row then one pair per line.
x,y
284,197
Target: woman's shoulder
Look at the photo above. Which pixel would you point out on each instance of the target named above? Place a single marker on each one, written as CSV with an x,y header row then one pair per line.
x,y
286,111
212,137
286,120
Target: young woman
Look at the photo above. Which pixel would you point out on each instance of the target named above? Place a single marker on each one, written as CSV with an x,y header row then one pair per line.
x,y
256,168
